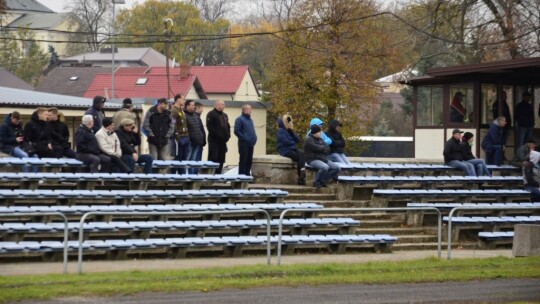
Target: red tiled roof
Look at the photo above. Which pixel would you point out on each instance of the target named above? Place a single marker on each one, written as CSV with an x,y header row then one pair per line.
x,y
125,85
132,70
214,79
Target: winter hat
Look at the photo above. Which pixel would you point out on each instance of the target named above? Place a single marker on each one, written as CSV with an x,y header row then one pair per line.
x,y
127,122
467,135
315,129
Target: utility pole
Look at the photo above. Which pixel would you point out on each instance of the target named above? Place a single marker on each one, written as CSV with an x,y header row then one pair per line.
x,y
113,40
168,32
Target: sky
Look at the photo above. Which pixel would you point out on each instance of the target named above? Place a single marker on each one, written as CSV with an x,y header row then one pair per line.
x,y
58,5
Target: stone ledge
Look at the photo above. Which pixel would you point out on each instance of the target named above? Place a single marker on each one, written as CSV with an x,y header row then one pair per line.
x,y
526,240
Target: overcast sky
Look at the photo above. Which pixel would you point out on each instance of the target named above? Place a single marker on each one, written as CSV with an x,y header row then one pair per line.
x,y
58,5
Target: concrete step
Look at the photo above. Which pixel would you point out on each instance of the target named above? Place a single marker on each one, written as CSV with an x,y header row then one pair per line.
x,y
431,246
396,231
416,238
312,197
381,224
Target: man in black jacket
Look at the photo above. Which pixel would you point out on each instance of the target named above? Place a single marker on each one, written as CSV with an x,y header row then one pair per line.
x,y
159,126
60,135
196,137
316,152
524,118
219,133
454,155
129,139
38,132
337,147
87,147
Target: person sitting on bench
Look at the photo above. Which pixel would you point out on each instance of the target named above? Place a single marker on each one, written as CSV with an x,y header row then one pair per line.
x,y
454,156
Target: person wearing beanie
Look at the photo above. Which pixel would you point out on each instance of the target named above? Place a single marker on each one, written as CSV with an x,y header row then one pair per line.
x,y
88,148
244,129
454,155
468,156
337,147
125,112
129,140
316,152
109,144
320,123
97,112
287,140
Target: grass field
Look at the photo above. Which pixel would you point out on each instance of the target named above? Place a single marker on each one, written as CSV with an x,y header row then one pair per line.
x,y
13,288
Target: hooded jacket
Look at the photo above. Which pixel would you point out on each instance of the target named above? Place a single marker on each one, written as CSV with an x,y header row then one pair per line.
x,y
8,135
85,141
317,121
338,142
244,129
158,126
98,115
316,149
286,139
217,124
496,136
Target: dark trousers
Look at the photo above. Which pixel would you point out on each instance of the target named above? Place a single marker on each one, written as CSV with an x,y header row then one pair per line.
x,y
298,157
216,153
61,151
94,161
144,159
119,165
246,158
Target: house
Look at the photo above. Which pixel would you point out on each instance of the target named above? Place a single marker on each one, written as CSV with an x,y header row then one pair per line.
x,y
11,81
46,25
70,80
481,84
123,57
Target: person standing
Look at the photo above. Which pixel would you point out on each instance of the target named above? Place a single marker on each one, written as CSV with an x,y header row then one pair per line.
x,y
219,133
180,140
159,126
524,118
286,146
129,140
457,111
505,111
125,112
494,143
316,152
454,155
196,137
88,148
199,108
244,129
96,110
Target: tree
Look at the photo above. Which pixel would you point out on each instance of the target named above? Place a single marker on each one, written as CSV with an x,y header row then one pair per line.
x,y
212,10
54,56
326,61
193,39
95,21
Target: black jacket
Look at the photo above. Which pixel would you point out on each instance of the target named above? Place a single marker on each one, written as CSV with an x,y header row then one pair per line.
x,y
98,115
196,137
529,176
219,129
338,142
467,151
128,141
159,127
39,133
315,149
524,115
85,141
60,134
453,150
8,135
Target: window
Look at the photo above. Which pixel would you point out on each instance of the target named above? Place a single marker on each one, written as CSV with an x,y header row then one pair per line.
x,y
73,78
429,106
141,81
488,95
461,104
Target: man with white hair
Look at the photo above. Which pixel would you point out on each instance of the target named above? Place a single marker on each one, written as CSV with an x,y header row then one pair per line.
x,y
87,146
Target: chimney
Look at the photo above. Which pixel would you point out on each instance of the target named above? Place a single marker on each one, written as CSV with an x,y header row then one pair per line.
x,y
185,70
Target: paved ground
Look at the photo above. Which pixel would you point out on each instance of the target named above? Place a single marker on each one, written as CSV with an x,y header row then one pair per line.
x,y
129,265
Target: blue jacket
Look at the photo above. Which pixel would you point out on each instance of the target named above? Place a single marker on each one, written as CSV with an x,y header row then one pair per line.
x,y
286,140
8,135
317,121
496,136
244,129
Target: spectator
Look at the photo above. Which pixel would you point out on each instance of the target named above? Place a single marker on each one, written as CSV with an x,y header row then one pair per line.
x,y
219,133
180,141
125,112
60,135
494,142
479,164
320,123
159,126
505,111
454,155
316,152
524,118
12,139
129,140
196,137
244,129
87,147
337,153
286,145
96,110
109,144
457,111
38,132
527,152
198,111
531,178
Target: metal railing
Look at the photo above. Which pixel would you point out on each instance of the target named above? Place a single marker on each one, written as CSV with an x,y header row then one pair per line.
x,y
250,211
433,209
59,214
451,214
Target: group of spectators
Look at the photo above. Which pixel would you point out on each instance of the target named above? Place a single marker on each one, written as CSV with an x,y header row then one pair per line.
x,y
323,151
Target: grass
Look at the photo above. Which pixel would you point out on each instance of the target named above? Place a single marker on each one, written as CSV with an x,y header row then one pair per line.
x,y
14,288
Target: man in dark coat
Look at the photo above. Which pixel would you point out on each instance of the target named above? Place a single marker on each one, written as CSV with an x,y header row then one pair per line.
x,y
494,142
96,110
244,129
129,140
316,152
337,147
38,132
524,118
196,137
159,126
505,110
88,148
12,138
219,133
60,135
286,145
454,154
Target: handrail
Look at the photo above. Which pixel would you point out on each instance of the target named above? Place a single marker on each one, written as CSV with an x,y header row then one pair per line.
x,y
86,215
449,242
60,214
282,215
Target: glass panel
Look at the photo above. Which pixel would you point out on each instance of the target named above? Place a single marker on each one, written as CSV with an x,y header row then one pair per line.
x,y
507,107
461,104
429,106
488,95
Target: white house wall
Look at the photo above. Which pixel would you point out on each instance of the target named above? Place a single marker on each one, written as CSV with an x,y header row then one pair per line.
x,y
429,143
247,90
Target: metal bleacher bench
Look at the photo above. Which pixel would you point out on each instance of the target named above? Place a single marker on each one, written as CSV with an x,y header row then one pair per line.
x,y
137,181
178,247
67,197
381,196
489,240
346,184
205,167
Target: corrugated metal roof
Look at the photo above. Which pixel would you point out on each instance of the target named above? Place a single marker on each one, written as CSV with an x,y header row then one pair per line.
x,y
27,5
39,20
123,54
17,97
